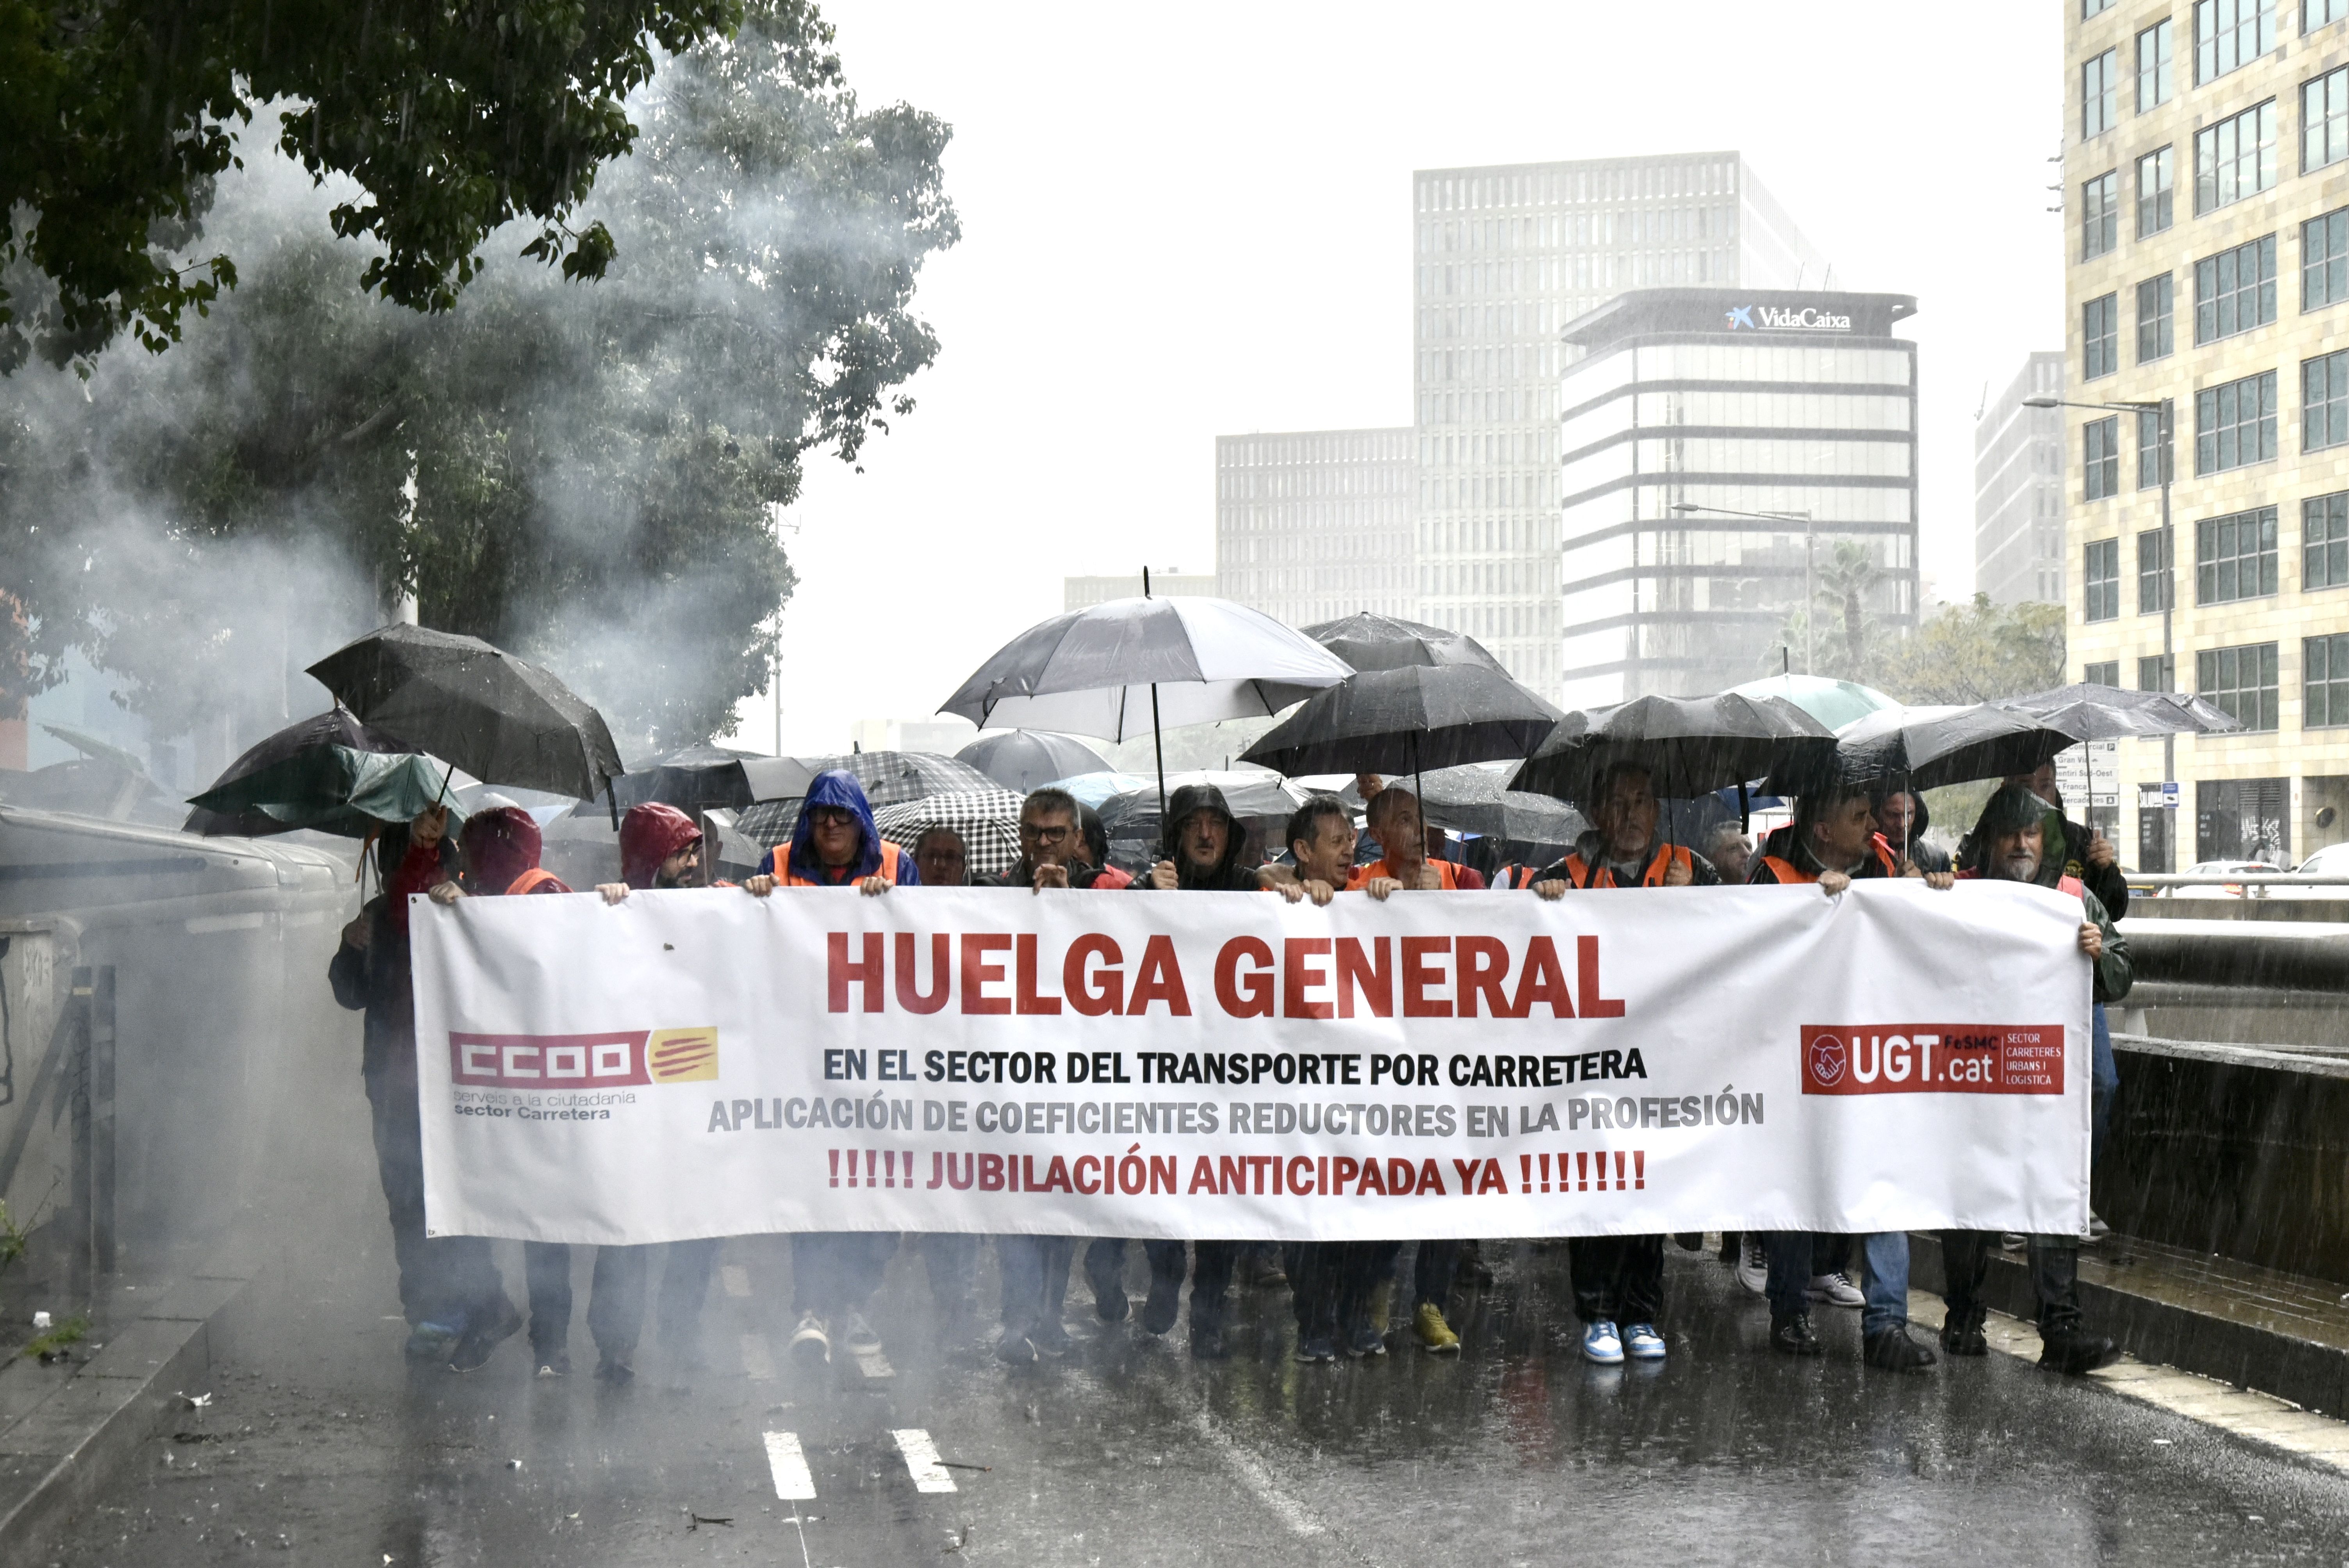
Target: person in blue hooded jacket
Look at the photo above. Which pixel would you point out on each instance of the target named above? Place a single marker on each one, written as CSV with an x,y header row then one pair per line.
x,y
835,844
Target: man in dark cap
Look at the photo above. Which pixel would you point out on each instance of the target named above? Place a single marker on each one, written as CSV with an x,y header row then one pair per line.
x,y
2008,845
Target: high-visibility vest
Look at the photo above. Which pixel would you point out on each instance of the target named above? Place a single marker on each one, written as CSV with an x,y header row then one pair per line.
x,y
534,880
1581,875
887,872
1445,870
1786,871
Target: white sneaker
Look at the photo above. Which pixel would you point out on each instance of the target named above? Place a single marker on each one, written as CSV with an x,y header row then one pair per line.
x,y
859,1337
812,1343
1836,1289
1754,1265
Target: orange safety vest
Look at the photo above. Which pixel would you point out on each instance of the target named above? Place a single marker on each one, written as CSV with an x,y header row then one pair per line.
x,y
1786,871
1580,875
1445,870
534,880
887,872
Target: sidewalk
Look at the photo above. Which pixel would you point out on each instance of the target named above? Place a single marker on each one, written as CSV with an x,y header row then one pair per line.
x,y
66,1428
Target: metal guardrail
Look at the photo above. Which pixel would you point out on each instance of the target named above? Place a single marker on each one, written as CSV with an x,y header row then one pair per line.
x,y
2232,879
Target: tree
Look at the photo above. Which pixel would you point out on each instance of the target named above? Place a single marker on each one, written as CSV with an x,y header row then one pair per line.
x,y
452,117
1842,635
587,478
1978,653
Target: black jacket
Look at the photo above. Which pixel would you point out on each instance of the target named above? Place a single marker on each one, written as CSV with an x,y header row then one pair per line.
x,y
1226,875
378,978
1022,875
2070,859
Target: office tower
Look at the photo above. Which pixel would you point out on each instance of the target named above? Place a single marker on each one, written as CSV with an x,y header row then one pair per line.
x,y
1312,525
2019,550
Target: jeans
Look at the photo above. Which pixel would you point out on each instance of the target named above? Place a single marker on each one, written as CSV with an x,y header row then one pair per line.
x,y
835,1272
951,1260
1210,1264
1884,1276
1333,1283
1617,1279
1430,1275
616,1294
2054,1278
442,1279
1035,1271
2103,1087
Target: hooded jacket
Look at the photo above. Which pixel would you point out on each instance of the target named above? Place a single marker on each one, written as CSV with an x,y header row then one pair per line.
x,y
1226,875
502,849
376,978
1925,857
836,787
649,834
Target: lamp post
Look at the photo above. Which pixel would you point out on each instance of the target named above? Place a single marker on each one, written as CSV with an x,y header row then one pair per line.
x,y
1810,636
2160,411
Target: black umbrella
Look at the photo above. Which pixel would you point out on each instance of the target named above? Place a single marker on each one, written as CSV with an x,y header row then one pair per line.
x,y
1931,746
1690,745
1479,801
328,772
1023,758
2086,710
698,778
1370,642
501,718
1407,719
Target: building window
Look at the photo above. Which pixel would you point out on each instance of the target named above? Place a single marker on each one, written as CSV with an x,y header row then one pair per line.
x,y
2228,34
2100,94
2240,680
2100,214
2105,674
2156,672
2324,119
2154,340
2101,598
2235,556
2316,13
2100,325
2235,290
2154,578
2156,181
2324,260
2153,65
2324,546
2235,158
2325,663
2234,424
2101,457
2153,459
2093,8
2324,401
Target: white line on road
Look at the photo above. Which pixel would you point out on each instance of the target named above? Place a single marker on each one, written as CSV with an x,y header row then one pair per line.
x,y
922,1460
738,1281
792,1482
757,1364
1254,1477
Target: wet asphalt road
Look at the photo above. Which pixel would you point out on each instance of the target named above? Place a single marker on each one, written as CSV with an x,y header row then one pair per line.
x,y
322,1444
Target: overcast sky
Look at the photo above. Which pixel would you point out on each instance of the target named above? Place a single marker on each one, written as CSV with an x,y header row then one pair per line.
x,y
1186,221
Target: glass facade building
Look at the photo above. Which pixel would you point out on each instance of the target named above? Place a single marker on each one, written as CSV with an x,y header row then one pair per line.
x,y
1800,405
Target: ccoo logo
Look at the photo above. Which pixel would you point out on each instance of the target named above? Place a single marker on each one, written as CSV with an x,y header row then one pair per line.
x,y
611,1061
1824,1059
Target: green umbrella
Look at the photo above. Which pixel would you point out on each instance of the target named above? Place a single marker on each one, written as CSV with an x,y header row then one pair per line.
x,y
330,773
1833,703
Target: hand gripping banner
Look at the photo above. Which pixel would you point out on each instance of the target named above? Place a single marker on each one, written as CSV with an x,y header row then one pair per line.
x,y
703,1063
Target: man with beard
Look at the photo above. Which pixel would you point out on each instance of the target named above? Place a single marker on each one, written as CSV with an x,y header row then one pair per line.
x,y
2008,845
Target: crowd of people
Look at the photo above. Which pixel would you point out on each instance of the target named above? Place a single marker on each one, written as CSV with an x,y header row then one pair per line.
x,y
459,1311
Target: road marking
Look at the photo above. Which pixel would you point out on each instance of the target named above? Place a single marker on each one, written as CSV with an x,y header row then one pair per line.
x,y
874,1365
737,1280
2244,1412
1254,1477
792,1482
922,1460
757,1364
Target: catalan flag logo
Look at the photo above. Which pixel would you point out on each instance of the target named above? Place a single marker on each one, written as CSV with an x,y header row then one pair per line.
x,y
682,1056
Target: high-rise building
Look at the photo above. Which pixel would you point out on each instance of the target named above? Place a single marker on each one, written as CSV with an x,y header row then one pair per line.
x,y
2019,550
1729,457
1504,257
1314,524
2207,258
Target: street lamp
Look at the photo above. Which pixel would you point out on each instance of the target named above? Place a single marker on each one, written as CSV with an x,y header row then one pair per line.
x,y
2160,411
1809,533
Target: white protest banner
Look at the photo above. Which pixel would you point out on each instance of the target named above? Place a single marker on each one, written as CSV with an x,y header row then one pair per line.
x,y
704,1063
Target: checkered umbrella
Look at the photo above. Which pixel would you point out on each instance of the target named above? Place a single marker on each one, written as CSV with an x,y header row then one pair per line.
x,y
987,820
888,779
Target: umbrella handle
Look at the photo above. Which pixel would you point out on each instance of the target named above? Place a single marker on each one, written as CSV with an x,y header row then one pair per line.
x,y
613,800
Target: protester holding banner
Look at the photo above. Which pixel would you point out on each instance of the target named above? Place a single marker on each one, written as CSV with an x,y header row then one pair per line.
x,y
1832,842
835,844
1394,820
448,1285
2008,844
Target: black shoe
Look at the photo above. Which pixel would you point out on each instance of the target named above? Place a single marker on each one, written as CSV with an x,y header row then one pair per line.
x,y
473,1348
1894,1351
1689,1241
1792,1333
1961,1333
1207,1340
2073,1352
614,1369
1163,1305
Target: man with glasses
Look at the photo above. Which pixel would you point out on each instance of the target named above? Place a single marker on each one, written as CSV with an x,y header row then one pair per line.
x,y
942,857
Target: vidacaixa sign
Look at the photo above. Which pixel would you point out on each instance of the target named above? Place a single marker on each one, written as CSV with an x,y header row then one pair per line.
x,y
1784,318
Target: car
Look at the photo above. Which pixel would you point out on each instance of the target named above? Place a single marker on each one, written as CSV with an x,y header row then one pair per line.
x,y
2218,868
2333,861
